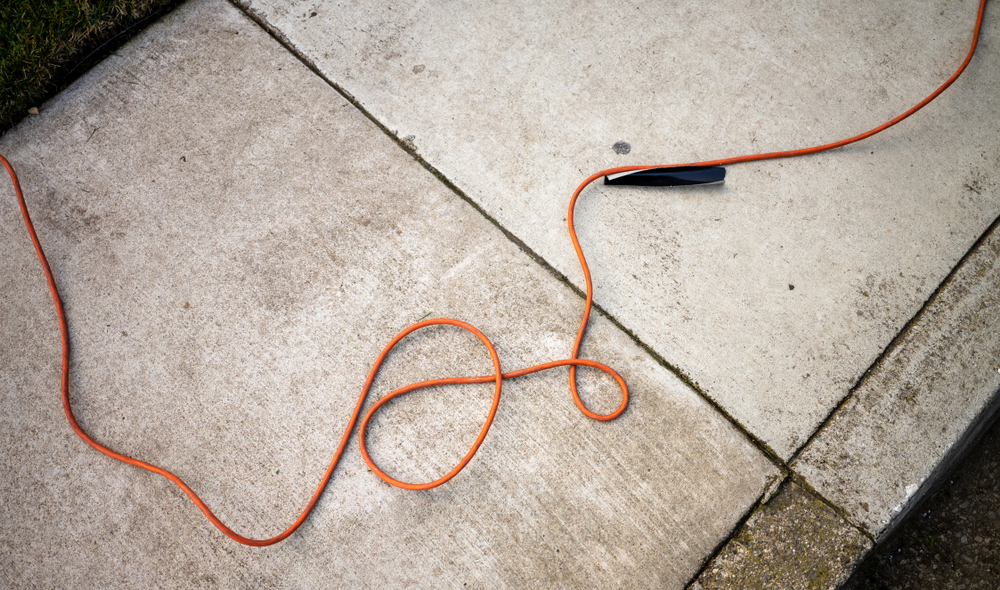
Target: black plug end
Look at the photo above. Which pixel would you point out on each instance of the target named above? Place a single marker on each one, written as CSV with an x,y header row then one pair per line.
x,y
670,176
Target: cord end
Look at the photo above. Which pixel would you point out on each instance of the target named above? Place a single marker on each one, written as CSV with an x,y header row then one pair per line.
x,y
670,176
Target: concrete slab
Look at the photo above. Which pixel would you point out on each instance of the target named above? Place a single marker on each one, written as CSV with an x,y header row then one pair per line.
x,y
794,542
879,454
774,292
235,243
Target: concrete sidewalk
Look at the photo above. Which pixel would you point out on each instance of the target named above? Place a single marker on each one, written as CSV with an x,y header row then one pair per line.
x,y
807,345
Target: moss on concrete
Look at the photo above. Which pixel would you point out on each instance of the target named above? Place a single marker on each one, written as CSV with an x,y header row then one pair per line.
x,y
794,542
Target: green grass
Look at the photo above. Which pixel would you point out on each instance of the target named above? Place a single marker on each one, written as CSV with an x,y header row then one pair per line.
x,y
46,44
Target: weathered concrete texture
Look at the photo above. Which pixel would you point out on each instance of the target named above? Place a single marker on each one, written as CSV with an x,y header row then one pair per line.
x,y
794,542
235,244
881,449
774,292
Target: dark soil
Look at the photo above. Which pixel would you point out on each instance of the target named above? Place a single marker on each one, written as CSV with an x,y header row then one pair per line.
x,y
47,45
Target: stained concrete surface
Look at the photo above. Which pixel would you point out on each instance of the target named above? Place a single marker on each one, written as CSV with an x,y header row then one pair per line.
x,y
235,243
794,542
774,292
905,422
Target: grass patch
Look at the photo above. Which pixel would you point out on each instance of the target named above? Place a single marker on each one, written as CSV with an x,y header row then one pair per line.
x,y
45,45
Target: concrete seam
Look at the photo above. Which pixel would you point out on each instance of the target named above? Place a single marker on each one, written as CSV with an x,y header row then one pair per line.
x,y
802,483
278,36
737,529
795,476
898,338
895,343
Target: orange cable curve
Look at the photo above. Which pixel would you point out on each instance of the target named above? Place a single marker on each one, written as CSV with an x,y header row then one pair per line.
x,y
497,377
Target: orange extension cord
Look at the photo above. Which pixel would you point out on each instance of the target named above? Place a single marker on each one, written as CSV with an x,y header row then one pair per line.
x,y
497,377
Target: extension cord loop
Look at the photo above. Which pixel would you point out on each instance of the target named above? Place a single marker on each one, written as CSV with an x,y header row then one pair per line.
x,y
497,378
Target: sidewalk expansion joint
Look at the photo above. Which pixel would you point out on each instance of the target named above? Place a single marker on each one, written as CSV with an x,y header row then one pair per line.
x,y
281,38
762,499
898,338
797,478
753,543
